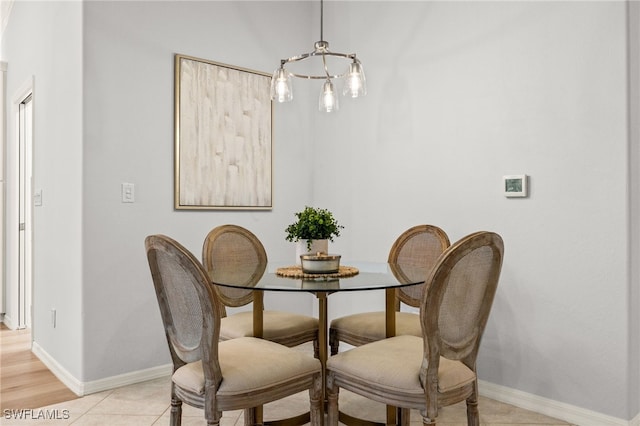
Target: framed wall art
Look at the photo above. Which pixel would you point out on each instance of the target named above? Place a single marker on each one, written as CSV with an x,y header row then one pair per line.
x,y
223,136
515,185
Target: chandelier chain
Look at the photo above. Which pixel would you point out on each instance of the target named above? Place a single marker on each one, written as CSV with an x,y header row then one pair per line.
x,y
321,20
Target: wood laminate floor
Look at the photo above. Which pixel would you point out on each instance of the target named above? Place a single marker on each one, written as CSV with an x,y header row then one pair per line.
x,y
25,382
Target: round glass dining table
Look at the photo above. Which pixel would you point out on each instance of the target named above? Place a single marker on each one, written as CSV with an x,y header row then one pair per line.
x,y
370,276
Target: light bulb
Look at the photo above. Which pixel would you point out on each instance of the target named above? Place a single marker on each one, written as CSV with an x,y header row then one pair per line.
x,y
281,90
328,99
355,83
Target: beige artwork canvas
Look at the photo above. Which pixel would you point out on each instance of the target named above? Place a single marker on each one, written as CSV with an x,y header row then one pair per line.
x,y
223,139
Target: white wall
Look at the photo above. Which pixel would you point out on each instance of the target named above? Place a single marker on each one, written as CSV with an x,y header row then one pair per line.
x,y
43,41
460,93
129,50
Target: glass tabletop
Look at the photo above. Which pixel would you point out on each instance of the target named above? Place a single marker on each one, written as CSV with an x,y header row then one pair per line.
x,y
371,276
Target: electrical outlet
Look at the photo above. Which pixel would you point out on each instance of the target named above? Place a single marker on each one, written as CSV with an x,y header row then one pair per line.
x,y
53,318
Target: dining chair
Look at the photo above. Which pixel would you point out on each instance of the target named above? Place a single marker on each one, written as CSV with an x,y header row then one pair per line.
x,y
420,245
237,250
217,376
439,368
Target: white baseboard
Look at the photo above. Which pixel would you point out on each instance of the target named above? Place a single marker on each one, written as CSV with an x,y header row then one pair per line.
x,y
85,388
6,319
551,408
127,379
60,372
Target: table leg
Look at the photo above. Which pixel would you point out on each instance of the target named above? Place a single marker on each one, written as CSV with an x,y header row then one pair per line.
x,y
390,329
393,416
258,307
322,338
390,312
258,331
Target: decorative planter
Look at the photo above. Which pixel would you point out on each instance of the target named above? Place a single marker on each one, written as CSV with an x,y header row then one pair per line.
x,y
320,263
317,246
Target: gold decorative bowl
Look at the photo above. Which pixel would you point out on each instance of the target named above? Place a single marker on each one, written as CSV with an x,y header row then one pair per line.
x,y
320,263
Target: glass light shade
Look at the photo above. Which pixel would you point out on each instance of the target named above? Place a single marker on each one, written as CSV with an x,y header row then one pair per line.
x,y
355,83
328,99
281,89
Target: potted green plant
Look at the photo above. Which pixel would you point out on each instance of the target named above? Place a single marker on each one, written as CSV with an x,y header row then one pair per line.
x,y
313,230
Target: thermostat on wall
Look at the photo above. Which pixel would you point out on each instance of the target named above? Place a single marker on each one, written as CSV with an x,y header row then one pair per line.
x,y
515,185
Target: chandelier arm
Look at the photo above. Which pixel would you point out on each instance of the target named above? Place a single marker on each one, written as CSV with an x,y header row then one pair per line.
x,y
304,56
318,77
324,64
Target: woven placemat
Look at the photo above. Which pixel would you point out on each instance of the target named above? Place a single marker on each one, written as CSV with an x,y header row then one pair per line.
x,y
296,272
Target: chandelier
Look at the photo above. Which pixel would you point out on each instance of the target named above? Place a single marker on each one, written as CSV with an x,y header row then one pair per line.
x,y
354,84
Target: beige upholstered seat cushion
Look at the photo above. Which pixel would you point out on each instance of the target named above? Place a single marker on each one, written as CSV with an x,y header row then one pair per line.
x,y
275,324
394,364
372,324
249,364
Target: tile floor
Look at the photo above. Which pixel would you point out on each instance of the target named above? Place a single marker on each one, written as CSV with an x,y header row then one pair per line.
x,y
147,403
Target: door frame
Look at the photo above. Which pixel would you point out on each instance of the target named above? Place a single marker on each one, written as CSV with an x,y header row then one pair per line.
x,y
3,182
16,312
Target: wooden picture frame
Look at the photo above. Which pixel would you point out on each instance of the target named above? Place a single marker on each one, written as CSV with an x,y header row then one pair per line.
x,y
223,136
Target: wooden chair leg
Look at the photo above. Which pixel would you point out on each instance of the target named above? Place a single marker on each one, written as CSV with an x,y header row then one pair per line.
x,y
429,417
334,343
316,349
404,416
332,401
176,409
249,417
211,413
211,416
316,408
426,421
473,416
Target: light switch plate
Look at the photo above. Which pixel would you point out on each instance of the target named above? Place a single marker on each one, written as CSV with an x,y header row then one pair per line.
x,y
128,193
